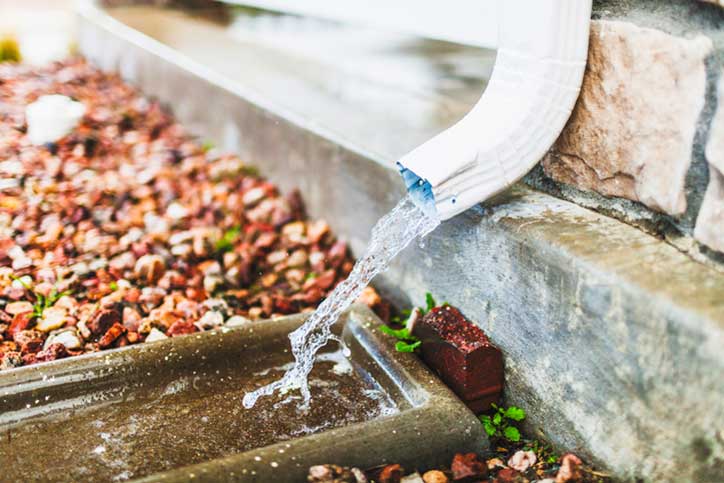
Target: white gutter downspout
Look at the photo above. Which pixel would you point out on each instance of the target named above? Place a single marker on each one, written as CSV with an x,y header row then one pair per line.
x,y
542,51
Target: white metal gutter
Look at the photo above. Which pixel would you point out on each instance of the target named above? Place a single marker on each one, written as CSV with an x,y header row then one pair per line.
x,y
542,51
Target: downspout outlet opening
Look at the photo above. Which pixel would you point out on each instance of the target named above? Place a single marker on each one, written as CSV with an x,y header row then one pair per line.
x,y
420,190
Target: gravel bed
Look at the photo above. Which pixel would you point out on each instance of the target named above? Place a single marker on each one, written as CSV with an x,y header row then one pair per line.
x,y
130,230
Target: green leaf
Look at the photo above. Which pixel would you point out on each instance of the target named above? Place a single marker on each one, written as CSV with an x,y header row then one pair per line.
x,y
228,239
403,346
511,434
490,429
113,285
207,146
402,334
429,301
515,413
497,419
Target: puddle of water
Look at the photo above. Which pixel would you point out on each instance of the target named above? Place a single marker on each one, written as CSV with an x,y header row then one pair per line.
x,y
189,418
392,233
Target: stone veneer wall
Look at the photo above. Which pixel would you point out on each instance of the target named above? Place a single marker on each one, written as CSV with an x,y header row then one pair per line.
x,y
645,142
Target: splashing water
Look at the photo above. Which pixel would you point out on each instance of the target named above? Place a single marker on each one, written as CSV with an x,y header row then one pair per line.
x,y
392,233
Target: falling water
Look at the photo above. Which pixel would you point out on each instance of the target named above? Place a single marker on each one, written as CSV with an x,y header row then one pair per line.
x,y
392,233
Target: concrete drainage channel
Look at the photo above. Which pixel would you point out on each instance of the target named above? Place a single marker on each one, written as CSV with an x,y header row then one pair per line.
x,y
171,410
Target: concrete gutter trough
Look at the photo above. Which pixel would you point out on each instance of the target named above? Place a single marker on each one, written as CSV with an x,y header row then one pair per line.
x,y
171,410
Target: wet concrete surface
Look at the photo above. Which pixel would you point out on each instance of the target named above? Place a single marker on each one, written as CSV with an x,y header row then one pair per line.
x,y
173,420
385,91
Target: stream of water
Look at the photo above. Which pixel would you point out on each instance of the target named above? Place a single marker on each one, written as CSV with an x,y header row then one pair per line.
x,y
392,233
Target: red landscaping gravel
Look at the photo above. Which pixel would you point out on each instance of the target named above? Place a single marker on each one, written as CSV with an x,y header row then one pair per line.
x,y
129,230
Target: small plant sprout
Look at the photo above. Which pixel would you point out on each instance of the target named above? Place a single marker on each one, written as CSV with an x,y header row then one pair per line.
x,y
207,146
502,423
42,302
226,243
406,342
543,451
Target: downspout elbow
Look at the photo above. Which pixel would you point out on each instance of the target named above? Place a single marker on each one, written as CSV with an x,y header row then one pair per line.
x,y
541,59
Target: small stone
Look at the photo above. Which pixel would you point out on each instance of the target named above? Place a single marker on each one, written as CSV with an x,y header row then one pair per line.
x,y
276,257
316,260
391,474
322,282
509,475
320,473
255,313
10,360
68,303
211,282
103,319
570,470
150,268
468,466
216,305
359,475
181,327
53,352
83,329
68,337
298,258
19,323
113,333
21,263
14,308
155,335
131,318
316,230
183,250
177,211
412,478
253,196
209,320
30,341
53,318
495,463
522,460
435,476
335,474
